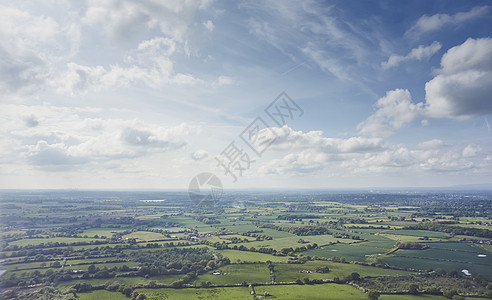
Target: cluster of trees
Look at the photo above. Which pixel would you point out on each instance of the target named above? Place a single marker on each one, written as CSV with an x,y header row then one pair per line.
x,y
53,245
309,230
352,221
268,250
176,261
290,250
259,237
454,230
324,269
207,219
433,283
298,217
412,245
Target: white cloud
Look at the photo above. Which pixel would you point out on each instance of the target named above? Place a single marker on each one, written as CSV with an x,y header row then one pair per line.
x,y
157,46
314,31
463,85
306,161
435,22
45,154
151,64
224,80
431,145
324,61
311,152
446,162
298,140
420,53
124,20
62,137
393,111
40,52
199,155
209,25
24,40
471,151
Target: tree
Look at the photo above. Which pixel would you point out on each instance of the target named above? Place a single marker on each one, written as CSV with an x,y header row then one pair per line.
x,y
134,295
141,297
352,277
440,271
413,289
323,269
433,290
55,264
373,295
127,291
450,293
92,269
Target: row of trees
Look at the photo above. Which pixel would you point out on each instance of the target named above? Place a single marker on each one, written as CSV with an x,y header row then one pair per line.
x,y
454,230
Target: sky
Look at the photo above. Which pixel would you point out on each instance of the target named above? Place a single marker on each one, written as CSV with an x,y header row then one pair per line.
x,y
119,94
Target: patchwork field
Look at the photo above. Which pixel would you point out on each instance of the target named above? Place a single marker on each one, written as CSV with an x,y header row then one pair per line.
x,y
174,250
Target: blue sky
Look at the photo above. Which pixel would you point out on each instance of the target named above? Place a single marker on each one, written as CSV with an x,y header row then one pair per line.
x,y
147,94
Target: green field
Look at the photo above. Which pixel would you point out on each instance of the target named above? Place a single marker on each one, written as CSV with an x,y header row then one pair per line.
x,y
352,252
107,232
292,272
101,295
200,293
324,291
144,236
34,242
129,281
331,225
448,256
247,256
415,297
291,241
419,233
321,291
236,274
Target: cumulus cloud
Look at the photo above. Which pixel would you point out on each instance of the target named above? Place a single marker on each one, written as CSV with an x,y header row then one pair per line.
x,y
393,111
45,154
66,138
126,20
446,162
224,80
150,64
209,25
471,151
31,121
290,139
435,22
306,161
37,52
137,137
463,85
431,145
199,155
311,152
420,53
24,61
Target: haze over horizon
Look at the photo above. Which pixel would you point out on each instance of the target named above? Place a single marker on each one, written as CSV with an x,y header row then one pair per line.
x,y
127,95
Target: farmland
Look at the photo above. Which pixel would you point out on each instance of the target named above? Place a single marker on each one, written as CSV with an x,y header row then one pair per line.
x,y
111,245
